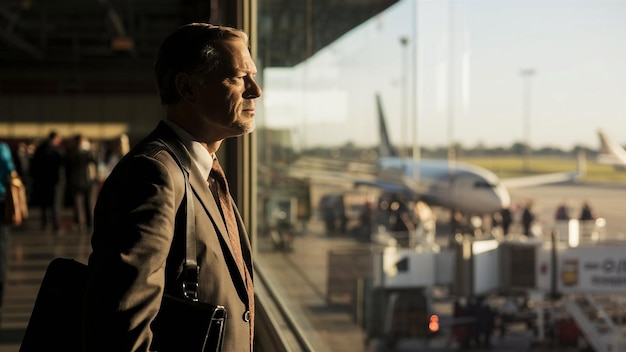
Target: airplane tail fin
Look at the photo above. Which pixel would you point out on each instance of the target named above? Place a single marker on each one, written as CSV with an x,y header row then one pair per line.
x,y
604,143
385,148
610,151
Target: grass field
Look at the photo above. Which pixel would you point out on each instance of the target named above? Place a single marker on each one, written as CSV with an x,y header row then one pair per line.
x,y
506,167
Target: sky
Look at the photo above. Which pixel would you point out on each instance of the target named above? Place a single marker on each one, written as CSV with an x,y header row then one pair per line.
x,y
463,80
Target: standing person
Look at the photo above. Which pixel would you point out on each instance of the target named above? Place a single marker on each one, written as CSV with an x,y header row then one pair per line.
x,y
327,211
80,172
485,323
562,212
507,219
528,218
45,170
340,215
6,168
364,230
586,218
206,81
586,214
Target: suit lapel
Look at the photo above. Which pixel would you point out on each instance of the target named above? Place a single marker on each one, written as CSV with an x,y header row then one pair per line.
x,y
201,190
203,193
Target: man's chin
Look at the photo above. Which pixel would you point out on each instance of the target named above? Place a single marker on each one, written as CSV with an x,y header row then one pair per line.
x,y
245,128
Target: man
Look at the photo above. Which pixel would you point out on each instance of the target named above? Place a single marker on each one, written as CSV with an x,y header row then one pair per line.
x,y
6,168
206,81
528,217
45,169
80,174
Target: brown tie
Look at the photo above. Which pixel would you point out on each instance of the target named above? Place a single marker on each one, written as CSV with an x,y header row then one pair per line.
x,y
233,234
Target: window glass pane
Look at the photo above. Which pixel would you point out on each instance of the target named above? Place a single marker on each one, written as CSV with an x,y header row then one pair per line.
x,y
357,93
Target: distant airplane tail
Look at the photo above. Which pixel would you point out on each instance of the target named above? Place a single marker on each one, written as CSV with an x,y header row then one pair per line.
x,y
604,143
610,151
385,148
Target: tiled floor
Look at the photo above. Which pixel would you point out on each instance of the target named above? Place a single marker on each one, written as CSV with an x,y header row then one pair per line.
x,y
31,251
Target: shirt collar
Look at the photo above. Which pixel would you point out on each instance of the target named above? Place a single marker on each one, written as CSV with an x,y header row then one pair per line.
x,y
199,154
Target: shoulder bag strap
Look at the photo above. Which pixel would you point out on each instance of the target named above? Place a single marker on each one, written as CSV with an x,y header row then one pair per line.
x,y
191,269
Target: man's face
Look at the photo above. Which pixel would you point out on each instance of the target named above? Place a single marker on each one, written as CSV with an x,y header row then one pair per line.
x,y
226,99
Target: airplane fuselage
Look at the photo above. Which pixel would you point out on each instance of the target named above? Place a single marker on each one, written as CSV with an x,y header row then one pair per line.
x,y
454,185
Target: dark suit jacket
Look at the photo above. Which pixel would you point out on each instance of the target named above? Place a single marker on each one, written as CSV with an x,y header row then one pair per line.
x,y
136,254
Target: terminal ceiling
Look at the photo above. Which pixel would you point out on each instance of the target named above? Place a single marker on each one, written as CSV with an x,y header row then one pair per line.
x,y
48,44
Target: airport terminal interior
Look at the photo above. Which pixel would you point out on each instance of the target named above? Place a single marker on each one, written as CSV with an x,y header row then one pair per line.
x,y
409,185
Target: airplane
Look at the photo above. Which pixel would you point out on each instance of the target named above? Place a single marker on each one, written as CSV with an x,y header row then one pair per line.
x,y
611,152
457,186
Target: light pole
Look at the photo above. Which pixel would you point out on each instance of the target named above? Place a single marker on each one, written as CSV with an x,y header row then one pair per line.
x,y
404,41
416,153
527,74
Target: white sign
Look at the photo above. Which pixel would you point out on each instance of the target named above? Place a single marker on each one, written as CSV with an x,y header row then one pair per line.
x,y
592,269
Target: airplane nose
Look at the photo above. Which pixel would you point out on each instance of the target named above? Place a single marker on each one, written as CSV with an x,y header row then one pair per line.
x,y
503,195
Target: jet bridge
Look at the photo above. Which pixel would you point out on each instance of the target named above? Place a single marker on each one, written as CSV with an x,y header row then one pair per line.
x,y
577,269
568,274
581,269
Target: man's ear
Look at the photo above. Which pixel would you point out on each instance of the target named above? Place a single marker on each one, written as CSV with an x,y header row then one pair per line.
x,y
184,86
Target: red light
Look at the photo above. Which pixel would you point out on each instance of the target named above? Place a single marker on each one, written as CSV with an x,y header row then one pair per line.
x,y
433,324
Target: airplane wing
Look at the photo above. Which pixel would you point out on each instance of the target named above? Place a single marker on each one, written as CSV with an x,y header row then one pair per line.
x,y
538,180
545,179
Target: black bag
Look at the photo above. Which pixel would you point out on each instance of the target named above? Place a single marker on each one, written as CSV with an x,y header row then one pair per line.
x,y
55,323
182,324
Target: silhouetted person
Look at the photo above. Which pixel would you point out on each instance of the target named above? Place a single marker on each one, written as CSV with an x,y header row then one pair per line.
x,y
45,169
327,204
506,220
527,218
485,322
366,216
586,214
562,213
340,215
81,177
6,168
